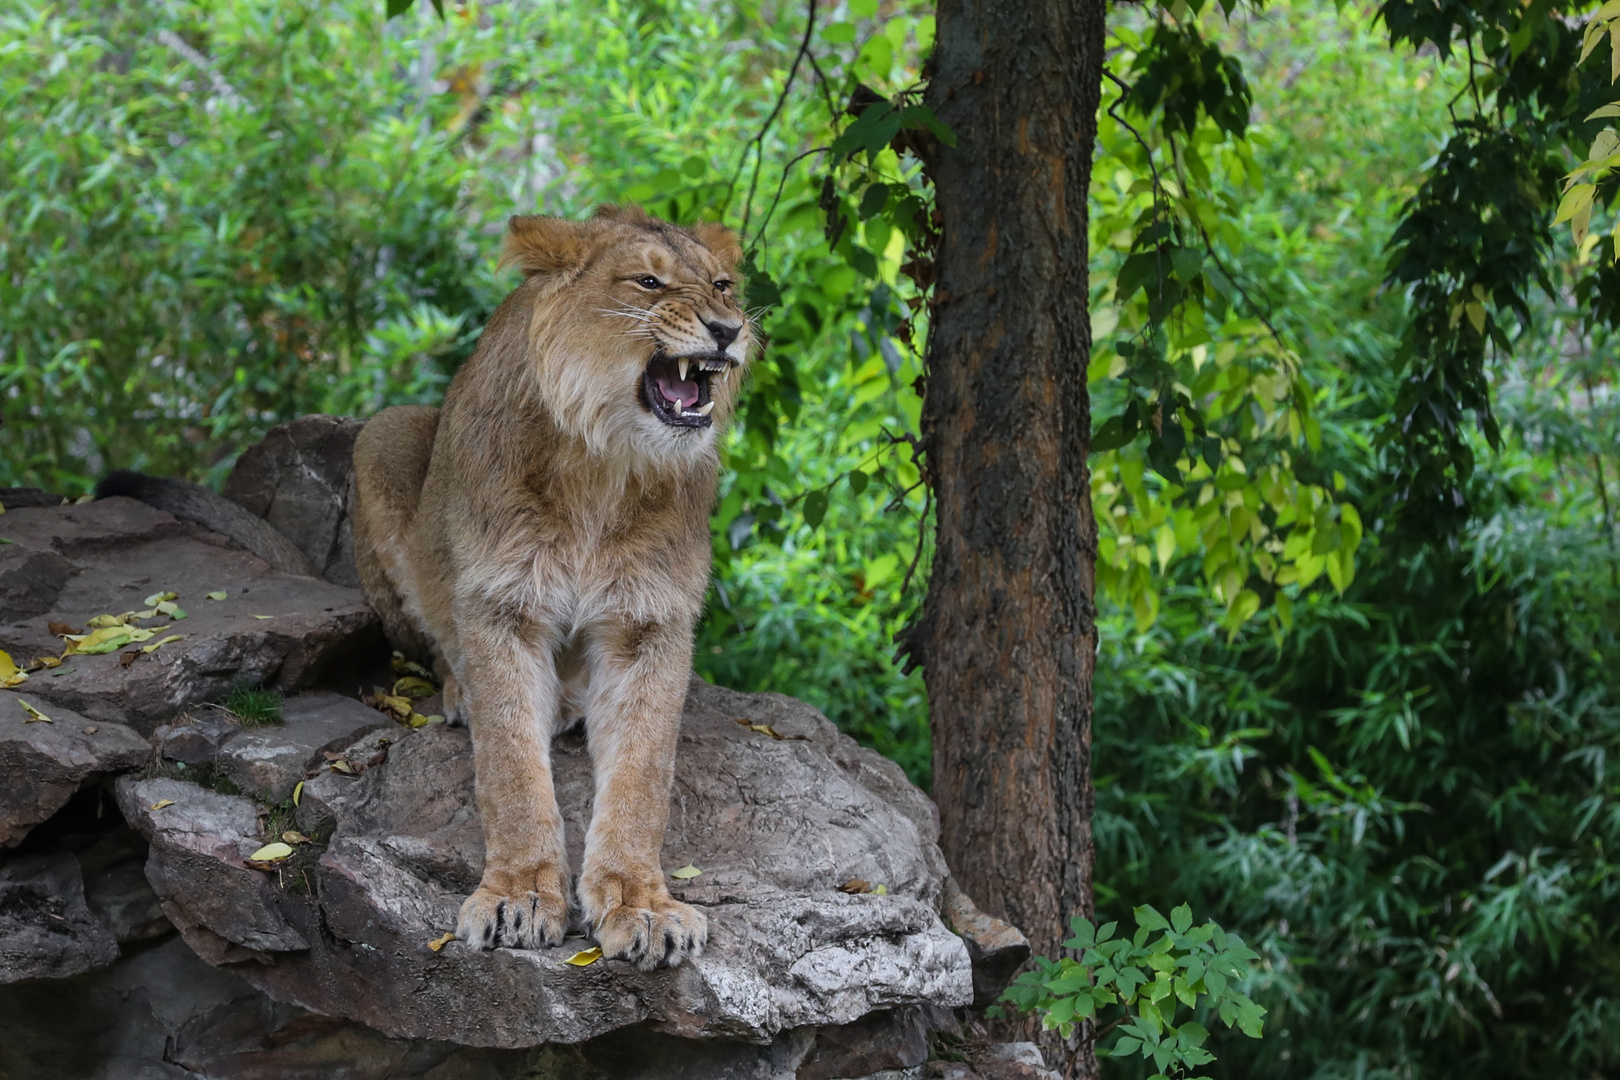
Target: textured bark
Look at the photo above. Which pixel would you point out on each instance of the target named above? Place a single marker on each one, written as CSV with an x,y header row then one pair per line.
x,y
1008,633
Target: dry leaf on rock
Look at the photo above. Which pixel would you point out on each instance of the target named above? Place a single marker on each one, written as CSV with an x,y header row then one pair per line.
x,y
160,804
103,622
34,715
293,836
270,854
126,659
855,886
45,662
298,792
685,873
414,687
766,729
10,673
585,957
438,943
61,629
91,730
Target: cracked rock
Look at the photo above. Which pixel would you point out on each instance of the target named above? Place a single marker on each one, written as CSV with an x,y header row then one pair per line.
x,y
268,762
67,564
45,763
776,825
298,479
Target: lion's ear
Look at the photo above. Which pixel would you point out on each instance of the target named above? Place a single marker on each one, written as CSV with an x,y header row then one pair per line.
x,y
545,245
720,240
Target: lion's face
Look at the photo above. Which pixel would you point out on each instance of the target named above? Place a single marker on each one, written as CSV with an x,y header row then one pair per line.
x,y
638,335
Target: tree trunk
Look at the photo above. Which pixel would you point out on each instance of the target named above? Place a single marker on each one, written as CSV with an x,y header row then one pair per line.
x,y
1007,638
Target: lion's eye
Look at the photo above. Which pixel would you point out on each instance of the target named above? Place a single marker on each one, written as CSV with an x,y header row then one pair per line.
x,y
722,285
649,282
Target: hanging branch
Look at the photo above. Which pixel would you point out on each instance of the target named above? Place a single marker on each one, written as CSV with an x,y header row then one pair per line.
x,y
756,145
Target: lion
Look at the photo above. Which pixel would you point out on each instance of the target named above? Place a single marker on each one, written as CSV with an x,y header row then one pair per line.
x,y
544,539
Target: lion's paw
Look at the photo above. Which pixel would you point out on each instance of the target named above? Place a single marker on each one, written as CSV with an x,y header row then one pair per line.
x,y
455,710
528,920
666,933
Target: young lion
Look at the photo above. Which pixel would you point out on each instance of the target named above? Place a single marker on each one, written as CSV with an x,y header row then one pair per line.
x,y
544,539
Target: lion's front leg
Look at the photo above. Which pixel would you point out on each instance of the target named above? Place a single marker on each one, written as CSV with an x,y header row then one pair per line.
x,y
510,691
638,687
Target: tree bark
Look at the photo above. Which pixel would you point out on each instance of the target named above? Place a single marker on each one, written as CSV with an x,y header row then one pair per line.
x,y
1007,637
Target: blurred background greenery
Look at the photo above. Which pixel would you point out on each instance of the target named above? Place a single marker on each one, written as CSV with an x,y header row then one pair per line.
x,y
216,216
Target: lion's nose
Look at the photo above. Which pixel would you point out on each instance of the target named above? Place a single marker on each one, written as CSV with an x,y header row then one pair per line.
x,y
724,334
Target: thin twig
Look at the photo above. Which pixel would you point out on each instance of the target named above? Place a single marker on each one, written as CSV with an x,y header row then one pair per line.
x,y
922,538
757,143
766,220
1158,185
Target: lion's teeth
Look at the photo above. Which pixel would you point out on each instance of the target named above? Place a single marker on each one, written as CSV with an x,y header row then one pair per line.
x,y
706,408
683,365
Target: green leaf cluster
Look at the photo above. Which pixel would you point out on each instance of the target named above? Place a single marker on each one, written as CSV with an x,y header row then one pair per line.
x,y
1167,965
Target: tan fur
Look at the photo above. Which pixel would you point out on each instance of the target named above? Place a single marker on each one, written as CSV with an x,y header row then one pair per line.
x,y
545,540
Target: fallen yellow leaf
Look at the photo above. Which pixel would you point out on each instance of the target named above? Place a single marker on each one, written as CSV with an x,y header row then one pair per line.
x,y
293,836
102,622
298,792
414,687
264,616
685,873
585,957
159,598
880,890
342,766
173,612
91,730
34,715
156,645
10,673
138,634
160,804
46,662
222,594
270,854
104,640
438,943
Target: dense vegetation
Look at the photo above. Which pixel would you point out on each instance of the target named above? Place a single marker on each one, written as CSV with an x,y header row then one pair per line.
x,y
1392,782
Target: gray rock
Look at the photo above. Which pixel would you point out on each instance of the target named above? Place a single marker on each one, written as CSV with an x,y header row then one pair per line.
x,y
268,762
46,931
160,1013
120,552
298,479
888,1041
997,948
776,825
198,866
195,738
45,763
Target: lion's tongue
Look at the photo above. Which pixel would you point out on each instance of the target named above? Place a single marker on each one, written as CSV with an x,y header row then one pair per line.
x,y
678,392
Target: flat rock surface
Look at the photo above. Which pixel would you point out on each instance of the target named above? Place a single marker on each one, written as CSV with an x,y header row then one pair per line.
x,y
68,564
46,929
44,763
297,479
268,762
777,825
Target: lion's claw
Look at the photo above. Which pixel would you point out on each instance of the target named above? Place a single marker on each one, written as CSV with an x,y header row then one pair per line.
x,y
529,921
665,934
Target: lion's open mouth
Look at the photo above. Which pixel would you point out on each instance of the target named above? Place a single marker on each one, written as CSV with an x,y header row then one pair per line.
x,y
677,391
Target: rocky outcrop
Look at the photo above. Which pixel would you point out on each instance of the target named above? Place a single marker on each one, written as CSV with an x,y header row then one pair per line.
x,y
298,479
43,762
72,563
838,944
778,824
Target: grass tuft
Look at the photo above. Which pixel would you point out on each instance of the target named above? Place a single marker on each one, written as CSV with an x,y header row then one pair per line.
x,y
255,707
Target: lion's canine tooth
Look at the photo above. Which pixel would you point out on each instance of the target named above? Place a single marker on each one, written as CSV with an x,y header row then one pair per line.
x,y
682,364
706,408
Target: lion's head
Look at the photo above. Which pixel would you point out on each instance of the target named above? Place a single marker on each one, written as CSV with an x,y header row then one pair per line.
x,y
637,334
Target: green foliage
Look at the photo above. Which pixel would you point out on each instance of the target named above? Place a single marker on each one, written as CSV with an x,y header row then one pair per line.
x,y
1151,978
